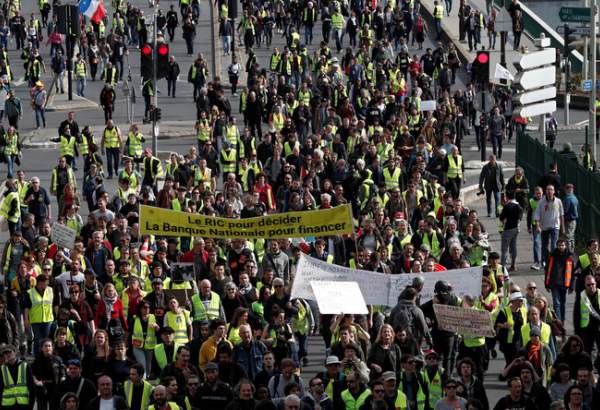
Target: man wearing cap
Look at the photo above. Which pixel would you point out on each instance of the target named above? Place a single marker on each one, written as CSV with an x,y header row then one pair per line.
x,y
39,315
214,394
74,382
333,378
165,352
508,326
157,297
434,376
17,386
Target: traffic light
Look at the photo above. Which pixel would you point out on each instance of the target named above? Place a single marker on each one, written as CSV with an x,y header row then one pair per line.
x,y
155,114
146,63
481,68
162,60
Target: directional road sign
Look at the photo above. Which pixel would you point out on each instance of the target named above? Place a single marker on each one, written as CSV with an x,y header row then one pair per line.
x,y
535,109
575,14
586,85
529,97
536,78
577,31
535,59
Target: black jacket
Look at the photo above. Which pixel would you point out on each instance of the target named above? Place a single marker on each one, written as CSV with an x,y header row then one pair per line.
x,y
119,403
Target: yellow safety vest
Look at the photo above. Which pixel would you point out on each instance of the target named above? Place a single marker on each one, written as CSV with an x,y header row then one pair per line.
x,y
392,179
454,167
201,312
438,12
545,329
67,146
41,306
585,312
15,393
401,402
350,403
433,243
80,69
172,406
434,386
12,147
203,177
511,321
228,160
146,393
278,121
203,130
6,205
179,323
138,339
135,144
337,21
275,58
421,399
161,355
111,138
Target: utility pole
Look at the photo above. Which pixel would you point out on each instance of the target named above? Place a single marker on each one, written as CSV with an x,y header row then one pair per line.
x,y
567,66
154,82
586,48
69,45
592,121
213,41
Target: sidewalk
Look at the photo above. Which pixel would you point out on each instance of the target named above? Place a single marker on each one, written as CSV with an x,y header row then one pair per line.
x,y
168,130
450,26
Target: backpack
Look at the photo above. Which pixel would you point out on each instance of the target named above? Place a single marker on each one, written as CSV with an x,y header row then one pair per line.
x,y
404,317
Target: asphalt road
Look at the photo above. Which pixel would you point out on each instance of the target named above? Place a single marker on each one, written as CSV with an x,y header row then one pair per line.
x,y
40,161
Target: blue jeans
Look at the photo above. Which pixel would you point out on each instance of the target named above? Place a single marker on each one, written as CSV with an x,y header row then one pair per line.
x,y
9,165
40,116
488,201
80,86
559,298
537,247
40,332
448,6
308,34
226,42
438,28
548,235
497,145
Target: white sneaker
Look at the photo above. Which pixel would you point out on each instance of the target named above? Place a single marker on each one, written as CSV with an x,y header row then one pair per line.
x,y
535,266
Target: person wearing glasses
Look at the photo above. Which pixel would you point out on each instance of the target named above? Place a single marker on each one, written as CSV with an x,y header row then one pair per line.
x,y
411,383
590,318
573,399
316,396
356,393
451,401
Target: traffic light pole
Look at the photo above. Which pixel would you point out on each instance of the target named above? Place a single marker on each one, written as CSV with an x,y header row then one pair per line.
x,y
567,74
154,81
593,114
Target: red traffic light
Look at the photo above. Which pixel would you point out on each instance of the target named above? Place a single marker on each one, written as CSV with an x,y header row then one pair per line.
x,y
146,50
483,58
163,50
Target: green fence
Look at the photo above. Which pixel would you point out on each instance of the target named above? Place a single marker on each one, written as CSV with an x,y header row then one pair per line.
x,y
536,158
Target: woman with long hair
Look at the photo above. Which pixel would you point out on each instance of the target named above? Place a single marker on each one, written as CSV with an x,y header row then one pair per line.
x,y
384,354
143,335
239,318
574,399
573,355
96,356
48,371
110,315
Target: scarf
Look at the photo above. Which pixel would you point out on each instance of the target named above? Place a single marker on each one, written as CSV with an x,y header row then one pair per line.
x,y
534,355
109,303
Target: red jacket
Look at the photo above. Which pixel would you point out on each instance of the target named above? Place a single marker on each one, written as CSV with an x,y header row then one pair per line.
x,y
117,313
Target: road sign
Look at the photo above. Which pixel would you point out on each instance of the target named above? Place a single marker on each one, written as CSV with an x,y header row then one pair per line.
x,y
586,85
536,78
577,31
575,14
535,109
535,59
542,94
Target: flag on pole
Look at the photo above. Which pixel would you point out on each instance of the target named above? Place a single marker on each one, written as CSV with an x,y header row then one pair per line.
x,y
92,9
502,73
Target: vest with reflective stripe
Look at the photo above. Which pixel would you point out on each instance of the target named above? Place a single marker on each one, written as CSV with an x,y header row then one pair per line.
x,y
15,393
350,403
80,69
203,130
454,167
585,312
278,121
401,403
138,339
546,332
6,205
201,312
161,355
146,392
392,179
179,323
434,386
433,243
232,134
201,176
421,398
228,160
510,320
67,146
135,144
111,138
41,306
438,12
